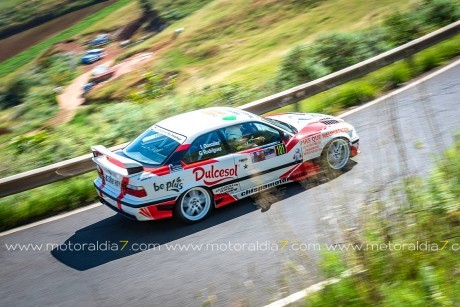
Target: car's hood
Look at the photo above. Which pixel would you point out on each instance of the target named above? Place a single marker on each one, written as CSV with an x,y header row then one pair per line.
x,y
301,120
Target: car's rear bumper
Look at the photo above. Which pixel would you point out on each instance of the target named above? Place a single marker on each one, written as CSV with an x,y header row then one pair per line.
x,y
155,210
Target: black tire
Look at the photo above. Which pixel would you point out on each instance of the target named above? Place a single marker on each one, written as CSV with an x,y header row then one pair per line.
x,y
335,157
194,205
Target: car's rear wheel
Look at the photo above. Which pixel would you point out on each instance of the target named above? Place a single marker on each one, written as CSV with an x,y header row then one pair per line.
x,y
335,156
194,205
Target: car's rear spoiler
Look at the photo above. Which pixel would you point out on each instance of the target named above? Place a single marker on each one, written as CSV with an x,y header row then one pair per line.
x,y
131,166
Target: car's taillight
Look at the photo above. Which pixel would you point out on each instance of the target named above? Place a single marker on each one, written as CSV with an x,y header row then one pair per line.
x,y
101,173
96,153
135,190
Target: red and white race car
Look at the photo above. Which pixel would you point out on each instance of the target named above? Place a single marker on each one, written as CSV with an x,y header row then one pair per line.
x,y
187,164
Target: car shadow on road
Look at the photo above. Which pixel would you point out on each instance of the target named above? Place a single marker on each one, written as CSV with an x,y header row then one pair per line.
x,y
104,241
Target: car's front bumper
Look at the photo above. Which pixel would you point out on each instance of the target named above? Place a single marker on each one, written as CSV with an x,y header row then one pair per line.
x,y
355,148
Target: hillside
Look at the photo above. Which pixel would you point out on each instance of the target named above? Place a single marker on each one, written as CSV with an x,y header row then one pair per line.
x,y
20,15
230,53
240,40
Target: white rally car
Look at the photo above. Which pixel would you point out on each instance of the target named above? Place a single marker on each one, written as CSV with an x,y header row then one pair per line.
x,y
187,164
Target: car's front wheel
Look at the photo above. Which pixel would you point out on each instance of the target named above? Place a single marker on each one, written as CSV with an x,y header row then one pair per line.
x,y
194,205
335,156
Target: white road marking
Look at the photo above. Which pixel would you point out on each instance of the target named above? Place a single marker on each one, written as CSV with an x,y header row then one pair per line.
x,y
310,290
51,219
371,103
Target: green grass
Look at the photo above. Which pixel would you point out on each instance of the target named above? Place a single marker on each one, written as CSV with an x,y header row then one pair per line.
x,y
119,18
30,54
47,201
243,39
19,13
5,4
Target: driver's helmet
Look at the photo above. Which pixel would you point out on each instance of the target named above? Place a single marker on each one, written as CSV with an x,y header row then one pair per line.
x,y
233,133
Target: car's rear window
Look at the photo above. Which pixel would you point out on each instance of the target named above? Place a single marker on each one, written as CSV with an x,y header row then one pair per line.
x,y
151,147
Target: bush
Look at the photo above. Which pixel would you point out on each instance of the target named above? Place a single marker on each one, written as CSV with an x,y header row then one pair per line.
x,y
440,12
375,40
25,143
339,50
354,94
402,28
297,68
156,85
14,93
394,76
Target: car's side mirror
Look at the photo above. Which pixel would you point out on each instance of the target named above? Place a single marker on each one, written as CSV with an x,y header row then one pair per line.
x,y
285,136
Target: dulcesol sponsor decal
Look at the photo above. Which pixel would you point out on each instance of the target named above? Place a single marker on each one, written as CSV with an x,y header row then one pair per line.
x,y
215,175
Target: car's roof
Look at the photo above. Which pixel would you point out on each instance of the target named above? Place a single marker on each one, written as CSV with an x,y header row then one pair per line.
x,y
95,50
197,122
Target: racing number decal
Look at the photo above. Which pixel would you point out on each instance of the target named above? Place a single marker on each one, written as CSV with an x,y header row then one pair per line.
x,y
280,149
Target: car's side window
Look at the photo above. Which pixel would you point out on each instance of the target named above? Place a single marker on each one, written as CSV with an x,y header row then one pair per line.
x,y
205,147
249,135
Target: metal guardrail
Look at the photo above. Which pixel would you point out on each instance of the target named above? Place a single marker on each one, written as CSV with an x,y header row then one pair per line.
x,y
83,164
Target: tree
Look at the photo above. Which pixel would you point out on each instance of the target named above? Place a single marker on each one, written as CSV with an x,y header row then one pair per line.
x,y
340,50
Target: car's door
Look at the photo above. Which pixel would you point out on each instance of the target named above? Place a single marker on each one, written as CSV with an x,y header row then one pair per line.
x,y
209,162
261,156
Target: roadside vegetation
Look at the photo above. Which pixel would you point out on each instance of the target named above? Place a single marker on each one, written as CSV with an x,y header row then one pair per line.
x,y
16,63
425,271
166,88
242,41
20,15
32,97
114,126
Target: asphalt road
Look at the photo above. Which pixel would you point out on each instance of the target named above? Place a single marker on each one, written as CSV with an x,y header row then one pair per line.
x,y
400,136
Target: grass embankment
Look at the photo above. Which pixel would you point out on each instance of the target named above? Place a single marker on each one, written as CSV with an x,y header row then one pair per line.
x,y
25,57
244,41
20,15
413,247
32,205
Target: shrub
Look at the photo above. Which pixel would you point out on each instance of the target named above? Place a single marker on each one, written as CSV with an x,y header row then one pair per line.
x,y
375,40
25,143
354,94
440,12
394,76
339,50
402,28
297,68
14,93
429,61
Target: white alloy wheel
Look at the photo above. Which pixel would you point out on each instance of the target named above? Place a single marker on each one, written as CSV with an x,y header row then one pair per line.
x,y
194,205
